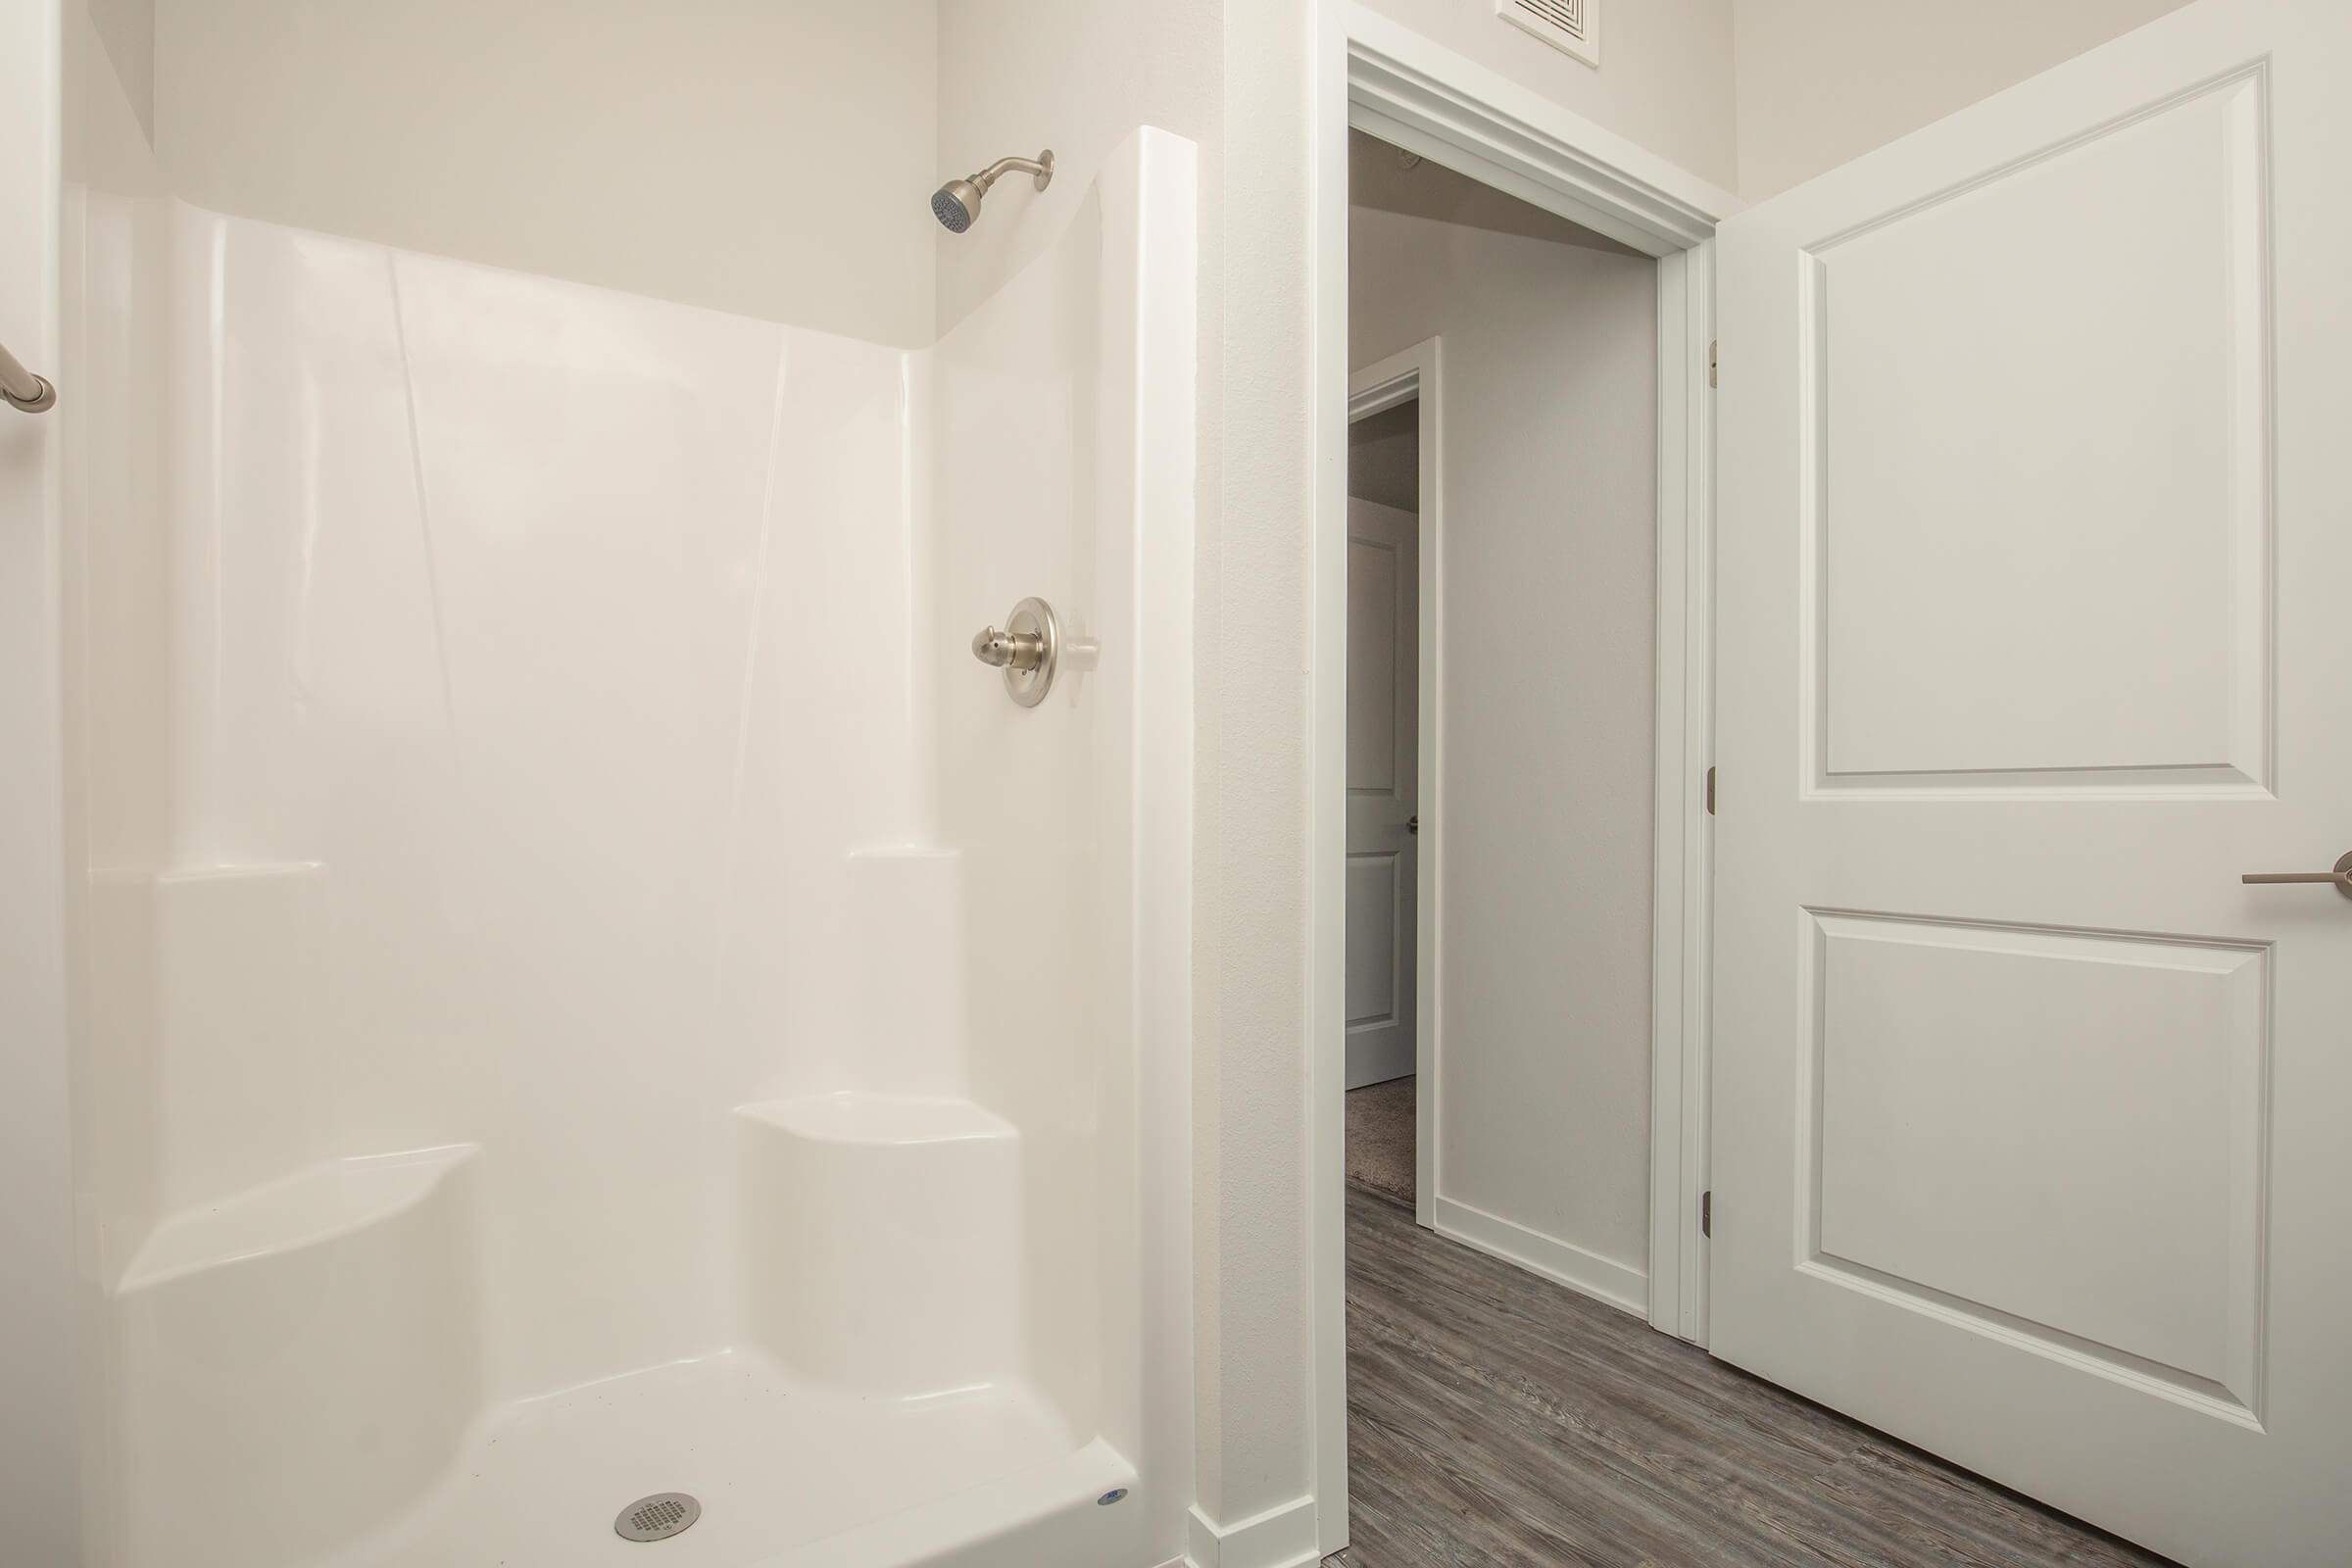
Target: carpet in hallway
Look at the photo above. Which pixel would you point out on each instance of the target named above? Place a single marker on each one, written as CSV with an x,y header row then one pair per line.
x,y
1380,1138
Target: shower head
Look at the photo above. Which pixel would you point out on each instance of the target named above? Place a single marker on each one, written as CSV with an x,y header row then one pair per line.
x,y
957,204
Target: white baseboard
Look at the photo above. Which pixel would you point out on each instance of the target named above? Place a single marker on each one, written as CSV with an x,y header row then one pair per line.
x,y
1280,1538
1589,1273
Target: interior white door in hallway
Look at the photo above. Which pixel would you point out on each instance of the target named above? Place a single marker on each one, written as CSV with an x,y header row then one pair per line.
x,y
2036,523
1382,761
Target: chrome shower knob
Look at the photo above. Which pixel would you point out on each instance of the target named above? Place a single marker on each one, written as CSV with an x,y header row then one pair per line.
x,y
1026,650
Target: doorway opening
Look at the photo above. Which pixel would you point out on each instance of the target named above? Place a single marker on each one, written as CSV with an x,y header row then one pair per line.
x,y
1422,100
1392,649
1503,588
1502,570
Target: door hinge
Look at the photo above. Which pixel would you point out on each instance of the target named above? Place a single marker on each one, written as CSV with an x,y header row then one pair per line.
x,y
1706,1212
1712,349
1710,792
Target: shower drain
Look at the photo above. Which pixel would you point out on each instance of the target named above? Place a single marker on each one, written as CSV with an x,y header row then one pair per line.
x,y
658,1517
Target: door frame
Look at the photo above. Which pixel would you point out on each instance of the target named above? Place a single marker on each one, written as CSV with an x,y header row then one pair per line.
x,y
1414,375
1375,74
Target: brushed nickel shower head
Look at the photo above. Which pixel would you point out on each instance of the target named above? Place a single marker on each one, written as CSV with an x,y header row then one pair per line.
x,y
957,204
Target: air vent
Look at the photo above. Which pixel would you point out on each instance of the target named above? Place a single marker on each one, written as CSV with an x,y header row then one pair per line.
x,y
1572,26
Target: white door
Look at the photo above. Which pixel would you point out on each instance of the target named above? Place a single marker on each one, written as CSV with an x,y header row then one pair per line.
x,y
2033,1124
1383,759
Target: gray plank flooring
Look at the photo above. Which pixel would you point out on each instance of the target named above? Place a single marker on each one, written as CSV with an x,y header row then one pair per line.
x,y
1496,1419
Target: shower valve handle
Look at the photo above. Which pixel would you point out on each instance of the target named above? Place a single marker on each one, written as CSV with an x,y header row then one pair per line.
x,y
1027,651
1016,650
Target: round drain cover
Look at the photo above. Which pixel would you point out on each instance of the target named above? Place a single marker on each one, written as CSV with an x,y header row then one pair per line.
x,y
658,1517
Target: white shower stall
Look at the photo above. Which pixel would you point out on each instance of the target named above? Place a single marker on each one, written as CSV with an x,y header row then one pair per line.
x,y
584,989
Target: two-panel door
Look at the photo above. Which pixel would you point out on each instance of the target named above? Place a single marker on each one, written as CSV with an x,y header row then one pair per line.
x,y
2034,1122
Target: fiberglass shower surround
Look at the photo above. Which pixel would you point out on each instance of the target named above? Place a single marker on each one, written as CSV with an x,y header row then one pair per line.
x,y
565,1049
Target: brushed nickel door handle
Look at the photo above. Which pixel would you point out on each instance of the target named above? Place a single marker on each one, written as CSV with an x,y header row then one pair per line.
x,y
2341,877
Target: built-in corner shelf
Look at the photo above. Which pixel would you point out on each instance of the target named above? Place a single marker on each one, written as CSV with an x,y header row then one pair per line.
x,y
317,1204
883,1239
852,1117
314,1338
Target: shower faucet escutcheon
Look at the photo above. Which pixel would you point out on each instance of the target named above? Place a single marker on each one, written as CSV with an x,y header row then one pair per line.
x,y
1027,650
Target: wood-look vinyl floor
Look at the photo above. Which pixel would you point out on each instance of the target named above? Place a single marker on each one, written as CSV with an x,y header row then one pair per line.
x,y
1498,1420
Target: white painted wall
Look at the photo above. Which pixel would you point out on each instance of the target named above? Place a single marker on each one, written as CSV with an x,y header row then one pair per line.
x,y
1821,82
1664,80
766,157
1384,457
1077,74
115,292
114,366
126,31
1548,492
1022,75
1254,1294
1756,95
38,1314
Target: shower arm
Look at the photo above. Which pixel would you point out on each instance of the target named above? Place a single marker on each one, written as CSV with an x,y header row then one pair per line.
x,y
1007,166
33,393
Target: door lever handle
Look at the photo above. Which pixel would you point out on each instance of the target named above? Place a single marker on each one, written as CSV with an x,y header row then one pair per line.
x,y
2341,877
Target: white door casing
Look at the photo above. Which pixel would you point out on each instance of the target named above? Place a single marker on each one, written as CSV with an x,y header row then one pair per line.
x,y
2033,544
1383,774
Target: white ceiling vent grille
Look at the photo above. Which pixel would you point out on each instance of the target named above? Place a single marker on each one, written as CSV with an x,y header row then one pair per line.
x,y
1571,25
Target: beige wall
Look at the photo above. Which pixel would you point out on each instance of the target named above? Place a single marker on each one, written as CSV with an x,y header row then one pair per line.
x,y
126,32
42,1390
1550,506
1664,80
1257,1434
767,157
1821,82
1080,74
1021,75
1756,95
1384,457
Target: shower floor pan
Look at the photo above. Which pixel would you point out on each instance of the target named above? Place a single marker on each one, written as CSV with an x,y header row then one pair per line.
x,y
788,1474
